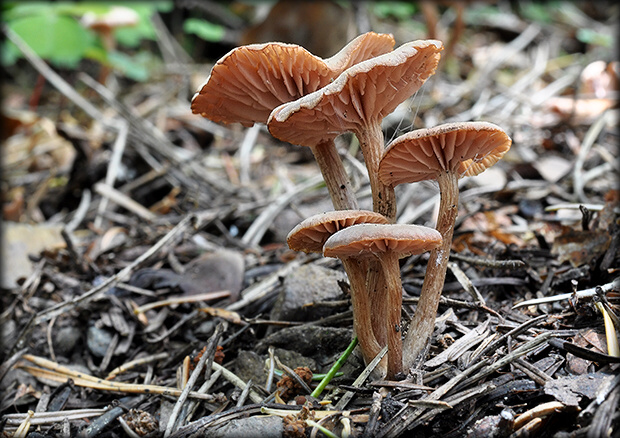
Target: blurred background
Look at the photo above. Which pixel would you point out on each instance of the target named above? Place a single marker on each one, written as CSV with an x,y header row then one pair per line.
x,y
545,71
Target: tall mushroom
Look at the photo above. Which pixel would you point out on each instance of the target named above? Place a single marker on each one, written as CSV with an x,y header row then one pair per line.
x,y
444,153
386,243
246,84
357,101
310,236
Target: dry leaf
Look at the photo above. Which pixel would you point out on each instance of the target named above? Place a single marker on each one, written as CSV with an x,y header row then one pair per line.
x,y
552,168
600,79
579,111
588,339
580,247
21,240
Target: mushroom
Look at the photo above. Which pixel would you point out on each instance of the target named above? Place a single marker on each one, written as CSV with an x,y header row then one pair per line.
x,y
247,83
386,243
250,81
310,236
444,153
105,24
357,101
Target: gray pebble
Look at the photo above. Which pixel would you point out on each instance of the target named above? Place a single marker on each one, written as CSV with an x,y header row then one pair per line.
x,y
66,339
306,285
98,340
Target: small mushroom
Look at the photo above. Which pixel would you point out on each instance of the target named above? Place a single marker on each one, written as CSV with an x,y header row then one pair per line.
x,y
105,24
444,153
250,81
310,236
357,101
386,243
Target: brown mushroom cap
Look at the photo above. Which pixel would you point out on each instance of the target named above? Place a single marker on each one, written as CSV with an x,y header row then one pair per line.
x,y
467,148
246,84
374,239
362,95
310,234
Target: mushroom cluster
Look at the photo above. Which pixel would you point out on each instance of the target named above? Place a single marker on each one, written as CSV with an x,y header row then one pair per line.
x,y
309,101
246,84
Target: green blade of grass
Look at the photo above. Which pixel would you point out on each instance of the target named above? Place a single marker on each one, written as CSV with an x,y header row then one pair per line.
x,y
334,369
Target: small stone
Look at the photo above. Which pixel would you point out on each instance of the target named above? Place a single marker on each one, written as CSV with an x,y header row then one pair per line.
x,y
8,333
216,271
66,339
306,285
98,340
251,365
293,359
319,343
250,427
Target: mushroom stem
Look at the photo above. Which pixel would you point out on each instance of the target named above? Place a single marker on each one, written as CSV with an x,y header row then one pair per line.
x,y
362,326
423,322
385,244
371,144
335,176
384,202
375,280
109,44
394,300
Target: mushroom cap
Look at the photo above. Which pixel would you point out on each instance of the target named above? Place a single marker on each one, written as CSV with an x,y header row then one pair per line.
x,y
375,239
310,234
117,16
467,148
362,95
247,83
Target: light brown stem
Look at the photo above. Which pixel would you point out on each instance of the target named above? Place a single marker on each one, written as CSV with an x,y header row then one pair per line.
x,y
375,280
393,295
371,144
423,322
335,176
356,271
109,44
384,202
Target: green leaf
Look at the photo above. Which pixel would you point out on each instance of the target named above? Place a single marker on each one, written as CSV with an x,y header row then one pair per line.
x,y
59,39
398,10
204,29
54,32
544,12
14,10
134,67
